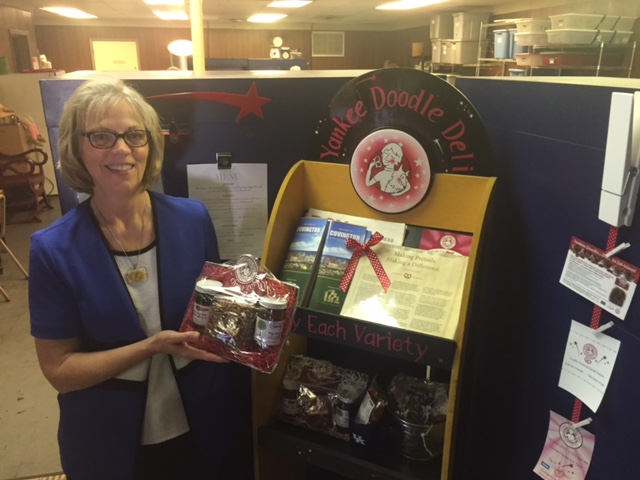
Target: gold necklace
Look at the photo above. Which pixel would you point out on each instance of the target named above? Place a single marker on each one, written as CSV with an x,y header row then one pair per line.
x,y
135,274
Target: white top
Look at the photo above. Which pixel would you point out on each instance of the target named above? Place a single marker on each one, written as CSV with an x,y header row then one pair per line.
x,y
164,416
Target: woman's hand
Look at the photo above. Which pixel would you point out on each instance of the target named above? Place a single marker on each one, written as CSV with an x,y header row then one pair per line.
x,y
178,343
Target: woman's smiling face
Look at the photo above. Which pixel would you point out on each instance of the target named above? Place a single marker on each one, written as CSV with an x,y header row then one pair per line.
x,y
118,169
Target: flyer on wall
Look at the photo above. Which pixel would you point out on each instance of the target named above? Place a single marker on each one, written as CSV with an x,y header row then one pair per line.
x,y
567,451
237,202
606,281
588,362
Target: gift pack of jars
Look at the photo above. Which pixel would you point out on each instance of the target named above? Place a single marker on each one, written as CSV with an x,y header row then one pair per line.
x,y
242,311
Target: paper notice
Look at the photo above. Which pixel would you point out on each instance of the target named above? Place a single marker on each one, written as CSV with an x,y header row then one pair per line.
x,y
237,202
425,294
567,451
588,362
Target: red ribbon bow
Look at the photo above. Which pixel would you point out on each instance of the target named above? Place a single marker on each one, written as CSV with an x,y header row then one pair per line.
x,y
361,248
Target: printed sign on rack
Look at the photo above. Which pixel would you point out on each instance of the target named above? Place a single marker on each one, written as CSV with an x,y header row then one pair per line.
x,y
425,295
567,452
608,282
588,362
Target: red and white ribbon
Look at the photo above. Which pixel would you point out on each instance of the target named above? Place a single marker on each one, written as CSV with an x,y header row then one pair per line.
x,y
361,248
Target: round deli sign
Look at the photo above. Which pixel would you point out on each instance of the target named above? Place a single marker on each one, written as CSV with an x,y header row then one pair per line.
x,y
396,128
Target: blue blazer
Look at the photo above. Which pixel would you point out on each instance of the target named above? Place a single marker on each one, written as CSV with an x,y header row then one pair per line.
x,y
76,290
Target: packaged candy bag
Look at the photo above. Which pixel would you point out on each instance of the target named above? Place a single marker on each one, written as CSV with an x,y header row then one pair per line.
x,y
319,395
243,312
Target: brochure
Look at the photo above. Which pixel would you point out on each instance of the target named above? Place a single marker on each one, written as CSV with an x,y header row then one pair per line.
x,y
327,295
393,232
301,263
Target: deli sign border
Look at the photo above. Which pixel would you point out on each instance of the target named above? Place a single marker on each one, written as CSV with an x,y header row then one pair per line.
x,y
422,105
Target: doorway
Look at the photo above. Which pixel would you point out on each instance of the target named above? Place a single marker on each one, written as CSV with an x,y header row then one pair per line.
x,y
114,54
20,49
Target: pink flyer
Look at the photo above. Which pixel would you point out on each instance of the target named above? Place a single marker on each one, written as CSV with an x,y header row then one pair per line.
x,y
567,451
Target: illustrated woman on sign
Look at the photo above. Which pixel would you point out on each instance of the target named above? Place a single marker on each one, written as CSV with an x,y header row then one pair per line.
x,y
392,178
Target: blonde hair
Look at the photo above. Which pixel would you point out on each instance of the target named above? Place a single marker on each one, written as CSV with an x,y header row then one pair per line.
x,y
93,97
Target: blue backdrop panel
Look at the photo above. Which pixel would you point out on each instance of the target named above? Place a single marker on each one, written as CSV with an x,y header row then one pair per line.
x,y
548,141
548,144
277,130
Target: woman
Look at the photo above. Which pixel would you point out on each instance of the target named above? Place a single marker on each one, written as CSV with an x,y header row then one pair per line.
x,y
109,284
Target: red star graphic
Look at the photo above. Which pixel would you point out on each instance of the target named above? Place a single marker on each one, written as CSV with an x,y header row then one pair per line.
x,y
251,103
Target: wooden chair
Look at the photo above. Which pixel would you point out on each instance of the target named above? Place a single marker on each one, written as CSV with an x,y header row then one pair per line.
x,y
4,245
23,180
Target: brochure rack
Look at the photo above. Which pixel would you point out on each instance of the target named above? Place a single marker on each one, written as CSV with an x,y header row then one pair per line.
x,y
455,203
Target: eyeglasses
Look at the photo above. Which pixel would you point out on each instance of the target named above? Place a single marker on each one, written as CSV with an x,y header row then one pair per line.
x,y
104,139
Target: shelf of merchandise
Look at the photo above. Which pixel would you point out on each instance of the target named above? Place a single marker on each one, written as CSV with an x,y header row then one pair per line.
x,y
456,203
600,50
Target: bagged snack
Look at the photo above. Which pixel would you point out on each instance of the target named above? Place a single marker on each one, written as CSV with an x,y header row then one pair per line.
x,y
320,396
243,312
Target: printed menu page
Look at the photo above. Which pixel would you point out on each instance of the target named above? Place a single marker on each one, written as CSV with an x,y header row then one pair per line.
x,y
237,202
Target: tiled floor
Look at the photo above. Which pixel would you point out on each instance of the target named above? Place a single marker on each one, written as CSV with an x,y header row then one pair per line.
x,y
28,405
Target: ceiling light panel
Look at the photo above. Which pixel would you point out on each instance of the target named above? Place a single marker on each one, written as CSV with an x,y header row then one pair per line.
x,y
288,4
171,15
407,4
164,2
68,12
266,17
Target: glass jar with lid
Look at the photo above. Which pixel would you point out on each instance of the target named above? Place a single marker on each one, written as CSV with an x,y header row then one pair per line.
x,y
270,321
203,302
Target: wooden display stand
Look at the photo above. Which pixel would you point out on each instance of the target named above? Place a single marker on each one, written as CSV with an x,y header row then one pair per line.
x,y
455,203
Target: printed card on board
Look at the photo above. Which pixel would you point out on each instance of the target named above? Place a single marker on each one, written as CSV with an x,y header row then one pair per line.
x,y
608,282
